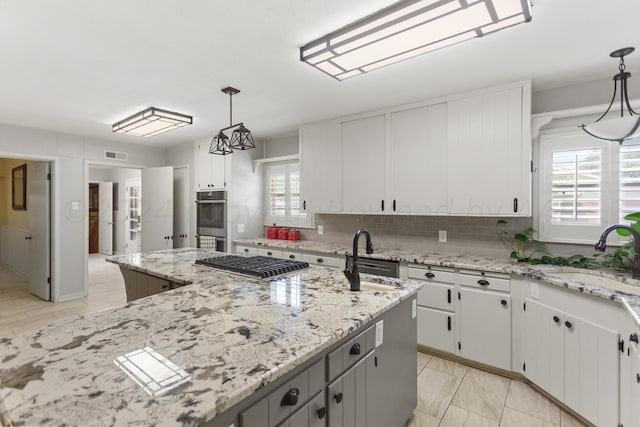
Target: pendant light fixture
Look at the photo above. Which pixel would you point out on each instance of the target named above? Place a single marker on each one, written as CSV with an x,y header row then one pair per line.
x,y
241,138
621,128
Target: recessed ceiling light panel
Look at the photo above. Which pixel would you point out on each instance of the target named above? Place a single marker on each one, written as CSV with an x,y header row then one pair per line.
x,y
152,121
406,29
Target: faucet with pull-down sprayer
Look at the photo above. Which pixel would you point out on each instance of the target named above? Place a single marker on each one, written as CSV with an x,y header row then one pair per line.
x,y
351,265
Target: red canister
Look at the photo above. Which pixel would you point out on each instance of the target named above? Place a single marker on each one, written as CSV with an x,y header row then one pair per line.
x,y
283,234
294,235
272,232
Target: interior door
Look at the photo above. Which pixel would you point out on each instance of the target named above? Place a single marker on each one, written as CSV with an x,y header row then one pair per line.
x,y
157,208
38,213
180,203
105,233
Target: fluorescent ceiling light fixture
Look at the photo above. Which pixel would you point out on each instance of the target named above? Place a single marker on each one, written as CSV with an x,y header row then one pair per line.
x,y
409,28
623,128
152,121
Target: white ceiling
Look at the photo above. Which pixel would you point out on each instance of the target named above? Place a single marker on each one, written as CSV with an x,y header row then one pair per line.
x,y
77,66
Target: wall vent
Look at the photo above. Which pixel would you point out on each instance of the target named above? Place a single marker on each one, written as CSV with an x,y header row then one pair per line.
x,y
116,155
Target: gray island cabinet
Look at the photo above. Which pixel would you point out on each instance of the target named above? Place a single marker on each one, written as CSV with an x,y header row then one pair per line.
x,y
296,350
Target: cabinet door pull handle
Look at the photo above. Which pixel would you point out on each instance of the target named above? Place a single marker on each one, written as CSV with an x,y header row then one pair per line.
x,y
503,302
355,349
448,323
290,398
515,204
483,282
321,412
556,319
568,324
394,205
449,296
27,238
633,338
304,205
429,275
338,397
382,206
638,378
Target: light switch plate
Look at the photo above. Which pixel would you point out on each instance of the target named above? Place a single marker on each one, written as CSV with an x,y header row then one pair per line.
x,y
240,228
442,236
379,333
320,230
75,206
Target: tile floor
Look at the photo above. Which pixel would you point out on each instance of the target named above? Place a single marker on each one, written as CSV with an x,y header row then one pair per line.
x,y
449,394
20,311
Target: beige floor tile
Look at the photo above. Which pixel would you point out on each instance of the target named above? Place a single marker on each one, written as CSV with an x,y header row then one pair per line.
x,y
513,418
447,366
458,417
525,399
568,420
423,359
482,393
420,419
435,391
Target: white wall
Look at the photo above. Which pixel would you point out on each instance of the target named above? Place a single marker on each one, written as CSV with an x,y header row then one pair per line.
x,y
281,146
99,174
68,154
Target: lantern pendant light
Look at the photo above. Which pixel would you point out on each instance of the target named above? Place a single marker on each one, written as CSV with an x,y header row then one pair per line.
x,y
241,138
623,128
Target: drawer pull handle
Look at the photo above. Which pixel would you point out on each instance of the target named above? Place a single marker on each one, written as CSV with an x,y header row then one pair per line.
x,y
633,338
246,250
338,397
290,398
165,286
503,302
429,275
292,256
483,282
269,253
320,261
321,412
556,319
638,378
449,296
355,349
568,324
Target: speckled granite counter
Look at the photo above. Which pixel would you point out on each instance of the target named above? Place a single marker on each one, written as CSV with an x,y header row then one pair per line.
x,y
231,333
546,273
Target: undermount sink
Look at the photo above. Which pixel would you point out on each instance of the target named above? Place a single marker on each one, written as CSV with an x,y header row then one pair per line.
x,y
601,281
377,287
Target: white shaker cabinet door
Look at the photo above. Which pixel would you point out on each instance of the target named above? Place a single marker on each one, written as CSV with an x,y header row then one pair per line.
x,y
418,140
321,167
363,165
488,156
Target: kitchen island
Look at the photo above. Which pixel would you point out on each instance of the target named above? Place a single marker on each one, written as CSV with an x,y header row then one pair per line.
x,y
240,339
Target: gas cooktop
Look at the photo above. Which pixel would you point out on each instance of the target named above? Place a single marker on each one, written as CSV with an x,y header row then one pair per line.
x,y
257,266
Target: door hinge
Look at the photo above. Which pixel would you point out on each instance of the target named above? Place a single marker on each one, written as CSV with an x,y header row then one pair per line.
x,y
48,280
532,168
49,177
459,346
524,306
621,346
524,367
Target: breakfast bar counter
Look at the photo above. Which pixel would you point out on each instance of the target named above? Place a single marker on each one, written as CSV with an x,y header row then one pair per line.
x,y
233,335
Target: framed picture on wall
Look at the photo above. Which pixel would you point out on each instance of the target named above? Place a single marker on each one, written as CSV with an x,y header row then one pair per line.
x,y
19,188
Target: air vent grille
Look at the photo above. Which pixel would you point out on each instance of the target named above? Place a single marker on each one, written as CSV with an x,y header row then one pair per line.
x,y
116,155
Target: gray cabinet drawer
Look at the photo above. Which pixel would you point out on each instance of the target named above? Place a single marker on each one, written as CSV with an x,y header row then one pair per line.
x,y
431,274
313,414
436,295
349,353
256,415
485,280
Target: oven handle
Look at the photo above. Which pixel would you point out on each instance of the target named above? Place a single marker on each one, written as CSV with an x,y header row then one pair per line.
x,y
211,201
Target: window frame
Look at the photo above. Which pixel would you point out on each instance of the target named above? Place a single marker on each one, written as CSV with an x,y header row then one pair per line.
x,y
561,140
289,219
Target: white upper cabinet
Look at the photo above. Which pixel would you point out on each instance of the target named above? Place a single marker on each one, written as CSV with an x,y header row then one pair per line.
x,y
418,140
489,153
363,165
321,167
209,168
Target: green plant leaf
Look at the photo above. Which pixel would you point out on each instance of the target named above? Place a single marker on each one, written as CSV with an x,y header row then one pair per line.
x,y
514,254
521,237
623,232
635,216
501,221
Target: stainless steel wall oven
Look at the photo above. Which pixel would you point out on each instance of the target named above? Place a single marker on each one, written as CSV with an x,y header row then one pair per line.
x,y
211,214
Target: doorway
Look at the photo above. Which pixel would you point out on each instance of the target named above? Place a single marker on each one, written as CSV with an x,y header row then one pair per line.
x,y
25,222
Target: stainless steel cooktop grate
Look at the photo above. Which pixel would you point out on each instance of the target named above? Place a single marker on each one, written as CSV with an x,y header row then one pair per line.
x,y
258,266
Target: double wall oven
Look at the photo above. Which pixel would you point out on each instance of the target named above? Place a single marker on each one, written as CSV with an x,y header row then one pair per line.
x,y
211,220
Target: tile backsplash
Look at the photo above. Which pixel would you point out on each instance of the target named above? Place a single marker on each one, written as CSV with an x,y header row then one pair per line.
x,y
465,235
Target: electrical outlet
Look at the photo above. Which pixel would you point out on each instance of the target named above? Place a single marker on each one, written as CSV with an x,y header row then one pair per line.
x,y
535,291
379,333
320,230
442,236
240,228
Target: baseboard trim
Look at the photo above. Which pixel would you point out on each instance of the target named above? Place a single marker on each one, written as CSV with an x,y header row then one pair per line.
x,y
502,372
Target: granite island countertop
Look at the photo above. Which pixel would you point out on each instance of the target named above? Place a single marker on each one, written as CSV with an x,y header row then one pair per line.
x,y
231,333
549,274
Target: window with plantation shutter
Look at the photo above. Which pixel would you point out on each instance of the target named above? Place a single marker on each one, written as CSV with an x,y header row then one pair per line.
x,y
283,195
585,185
